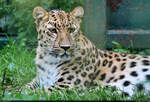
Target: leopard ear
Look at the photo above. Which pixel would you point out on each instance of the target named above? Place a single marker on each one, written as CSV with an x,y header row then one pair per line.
x,y
78,12
39,12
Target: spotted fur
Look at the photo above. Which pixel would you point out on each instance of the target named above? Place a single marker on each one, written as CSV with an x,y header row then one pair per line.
x,y
66,58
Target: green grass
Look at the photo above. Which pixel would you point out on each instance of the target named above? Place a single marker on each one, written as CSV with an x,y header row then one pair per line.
x,y
20,69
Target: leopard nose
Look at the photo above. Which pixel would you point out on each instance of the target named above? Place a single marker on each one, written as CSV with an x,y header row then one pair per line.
x,y
65,47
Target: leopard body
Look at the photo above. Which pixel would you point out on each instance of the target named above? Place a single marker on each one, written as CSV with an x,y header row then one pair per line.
x,y
66,58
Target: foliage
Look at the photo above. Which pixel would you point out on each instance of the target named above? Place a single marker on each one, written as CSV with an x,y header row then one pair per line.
x,y
129,50
12,60
119,48
20,15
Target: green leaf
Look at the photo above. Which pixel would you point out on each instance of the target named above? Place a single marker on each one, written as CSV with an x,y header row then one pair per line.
x,y
117,45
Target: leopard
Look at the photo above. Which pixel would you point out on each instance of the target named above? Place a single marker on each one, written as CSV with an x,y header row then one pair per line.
x,y
66,58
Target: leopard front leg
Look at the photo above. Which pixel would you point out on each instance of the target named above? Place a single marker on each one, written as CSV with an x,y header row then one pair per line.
x,y
57,86
33,85
29,86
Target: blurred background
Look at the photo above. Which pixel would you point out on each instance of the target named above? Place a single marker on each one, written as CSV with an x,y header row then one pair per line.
x,y
106,23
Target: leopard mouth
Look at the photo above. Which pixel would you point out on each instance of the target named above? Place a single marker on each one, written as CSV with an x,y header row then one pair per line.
x,y
59,54
64,55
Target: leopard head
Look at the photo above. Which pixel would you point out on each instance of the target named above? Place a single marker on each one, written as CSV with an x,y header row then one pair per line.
x,y
58,30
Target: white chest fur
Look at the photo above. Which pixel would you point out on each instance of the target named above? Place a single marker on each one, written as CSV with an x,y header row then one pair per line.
x,y
47,74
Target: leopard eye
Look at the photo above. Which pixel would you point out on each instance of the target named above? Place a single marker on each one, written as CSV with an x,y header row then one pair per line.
x,y
71,30
53,30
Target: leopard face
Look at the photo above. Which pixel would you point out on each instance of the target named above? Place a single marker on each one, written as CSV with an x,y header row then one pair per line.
x,y
58,31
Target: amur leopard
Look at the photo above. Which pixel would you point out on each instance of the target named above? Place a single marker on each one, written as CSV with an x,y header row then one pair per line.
x,y
66,58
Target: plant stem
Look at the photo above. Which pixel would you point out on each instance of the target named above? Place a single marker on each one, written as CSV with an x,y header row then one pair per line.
x,y
3,80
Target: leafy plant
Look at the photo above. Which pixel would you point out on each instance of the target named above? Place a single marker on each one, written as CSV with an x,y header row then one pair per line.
x,y
119,48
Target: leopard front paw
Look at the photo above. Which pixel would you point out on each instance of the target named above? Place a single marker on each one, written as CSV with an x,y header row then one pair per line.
x,y
47,91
